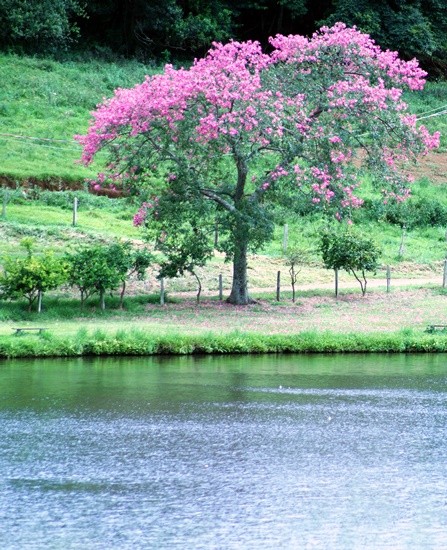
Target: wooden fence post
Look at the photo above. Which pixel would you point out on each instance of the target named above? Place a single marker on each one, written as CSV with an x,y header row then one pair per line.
x,y
278,286
220,287
388,278
162,292
285,238
75,211
444,279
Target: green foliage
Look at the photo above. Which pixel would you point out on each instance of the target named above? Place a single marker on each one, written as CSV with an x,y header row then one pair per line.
x,y
414,28
349,250
39,25
175,29
415,212
32,275
101,268
90,271
161,28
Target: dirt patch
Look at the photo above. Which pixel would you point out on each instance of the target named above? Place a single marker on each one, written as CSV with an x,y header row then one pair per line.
x,y
433,167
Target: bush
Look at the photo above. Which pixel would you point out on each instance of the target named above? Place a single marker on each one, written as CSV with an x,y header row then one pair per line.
x,y
100,268
416,212
32,276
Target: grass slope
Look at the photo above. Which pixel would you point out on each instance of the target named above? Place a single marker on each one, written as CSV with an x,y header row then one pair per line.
x,y
44,103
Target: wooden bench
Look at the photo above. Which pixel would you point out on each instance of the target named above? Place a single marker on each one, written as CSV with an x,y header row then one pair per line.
x,y
22,330
434,328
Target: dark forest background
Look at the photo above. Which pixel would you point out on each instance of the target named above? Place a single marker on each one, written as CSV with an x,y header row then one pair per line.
x,y
176,30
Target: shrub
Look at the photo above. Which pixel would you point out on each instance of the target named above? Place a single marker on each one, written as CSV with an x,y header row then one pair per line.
x,y
32,276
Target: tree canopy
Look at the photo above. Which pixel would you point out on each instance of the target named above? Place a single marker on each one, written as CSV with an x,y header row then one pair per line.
x,y
243,129
182,29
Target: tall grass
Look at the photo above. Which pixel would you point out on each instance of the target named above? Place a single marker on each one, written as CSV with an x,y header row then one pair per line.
x,y
140,343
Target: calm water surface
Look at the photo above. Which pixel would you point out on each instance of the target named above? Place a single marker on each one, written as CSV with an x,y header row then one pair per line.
x,y
245,452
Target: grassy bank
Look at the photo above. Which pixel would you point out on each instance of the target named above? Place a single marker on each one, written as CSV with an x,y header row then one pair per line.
x,y
137,343
316,323
47,217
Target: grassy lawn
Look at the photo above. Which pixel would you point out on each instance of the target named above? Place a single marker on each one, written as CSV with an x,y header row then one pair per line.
x,y
44,103
380,322
411,307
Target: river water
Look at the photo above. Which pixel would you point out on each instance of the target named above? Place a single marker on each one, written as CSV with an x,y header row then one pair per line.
x,y
242,452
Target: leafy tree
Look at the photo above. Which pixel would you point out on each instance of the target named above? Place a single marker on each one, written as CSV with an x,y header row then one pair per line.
x,y
164,27
39,25
240,129
32,276
350,251
184,250
99,268
414,28
128,261
263,18
91,271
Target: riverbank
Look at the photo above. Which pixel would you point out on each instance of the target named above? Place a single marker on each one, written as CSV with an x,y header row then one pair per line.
x,y
316,323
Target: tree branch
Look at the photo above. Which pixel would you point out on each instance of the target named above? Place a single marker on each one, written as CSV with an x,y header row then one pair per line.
x,y
216,198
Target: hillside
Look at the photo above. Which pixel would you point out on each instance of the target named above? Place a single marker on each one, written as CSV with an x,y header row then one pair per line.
x,y
43,103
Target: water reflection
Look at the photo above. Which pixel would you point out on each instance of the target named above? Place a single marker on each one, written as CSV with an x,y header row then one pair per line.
x,y
242,452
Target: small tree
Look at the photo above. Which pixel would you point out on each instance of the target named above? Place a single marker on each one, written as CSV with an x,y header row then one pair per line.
x,y
352,252
128,261
102,268
30,277
295,259
92,272
185,250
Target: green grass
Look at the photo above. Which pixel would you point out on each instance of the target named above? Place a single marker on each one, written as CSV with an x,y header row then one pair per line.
x,y
136,342
50,100
428,102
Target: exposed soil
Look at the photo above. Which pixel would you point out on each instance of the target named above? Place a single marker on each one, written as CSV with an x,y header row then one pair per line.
x,y
433,167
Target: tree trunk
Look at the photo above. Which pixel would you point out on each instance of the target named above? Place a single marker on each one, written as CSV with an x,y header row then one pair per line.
x,y
239,291
123,290
102,300
199,285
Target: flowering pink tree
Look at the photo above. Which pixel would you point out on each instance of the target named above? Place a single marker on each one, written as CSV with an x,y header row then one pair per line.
x,y
239,130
